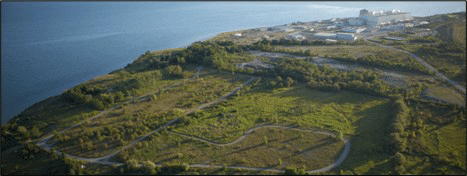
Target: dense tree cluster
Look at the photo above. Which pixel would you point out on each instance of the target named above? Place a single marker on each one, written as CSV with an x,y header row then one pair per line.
x,y
329,79
373,61
102,97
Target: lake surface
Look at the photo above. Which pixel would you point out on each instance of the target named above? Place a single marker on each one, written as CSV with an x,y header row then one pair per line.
x,y
48,47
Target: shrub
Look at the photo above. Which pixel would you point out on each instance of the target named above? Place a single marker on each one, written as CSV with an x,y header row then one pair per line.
x,y
132,165
150,167
399,158
289,170
24,132
340,136
174,70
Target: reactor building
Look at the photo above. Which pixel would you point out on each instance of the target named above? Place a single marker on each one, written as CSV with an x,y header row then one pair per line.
x,y
376,18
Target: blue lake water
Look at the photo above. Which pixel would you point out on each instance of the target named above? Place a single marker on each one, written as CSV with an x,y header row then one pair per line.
x,y
48,47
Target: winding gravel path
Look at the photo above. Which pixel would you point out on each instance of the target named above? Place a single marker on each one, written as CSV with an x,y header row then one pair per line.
x,y
103,160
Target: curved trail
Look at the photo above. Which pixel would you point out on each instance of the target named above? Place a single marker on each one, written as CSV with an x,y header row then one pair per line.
x,y
43,142
102,160
327,168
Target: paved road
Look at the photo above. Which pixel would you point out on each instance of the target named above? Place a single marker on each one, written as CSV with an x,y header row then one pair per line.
x,y
426,65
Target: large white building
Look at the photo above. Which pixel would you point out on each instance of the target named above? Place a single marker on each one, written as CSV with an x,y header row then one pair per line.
x,y
375,18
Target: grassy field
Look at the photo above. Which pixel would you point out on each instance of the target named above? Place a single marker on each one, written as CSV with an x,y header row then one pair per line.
x,y
363,118
116,128
458,33
298,105
367,154
440,141
447,56
293,148
452,64
446,94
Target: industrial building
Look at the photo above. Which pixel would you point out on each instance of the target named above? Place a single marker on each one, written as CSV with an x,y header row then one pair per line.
x,y
345,36
356,21
322,35
353,30
296,37
375,18
338,36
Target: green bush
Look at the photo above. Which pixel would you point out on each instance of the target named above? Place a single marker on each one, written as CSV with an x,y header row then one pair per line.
x,y
150,167
289,170
132,165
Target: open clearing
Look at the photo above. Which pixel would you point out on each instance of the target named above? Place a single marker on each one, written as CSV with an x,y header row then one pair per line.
x,y
298,105
122,125
294,148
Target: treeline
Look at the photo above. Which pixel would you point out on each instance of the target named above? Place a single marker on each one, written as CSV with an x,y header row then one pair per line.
x,y
408,128
103,97
373,61
425,39
330,79
397,137
213,54
217,55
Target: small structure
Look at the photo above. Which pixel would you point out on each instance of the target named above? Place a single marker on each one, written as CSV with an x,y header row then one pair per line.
x,y
330,41
331,27
345,36
238,35
394,38
394,27
353,30
422,23
300,27
339,24
296,37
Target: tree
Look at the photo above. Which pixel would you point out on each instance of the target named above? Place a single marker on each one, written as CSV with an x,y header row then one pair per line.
x,y
98,104
132,165
72,172
150,167
308,52
174,70
340,136
265,140
289,82
399,158
24,132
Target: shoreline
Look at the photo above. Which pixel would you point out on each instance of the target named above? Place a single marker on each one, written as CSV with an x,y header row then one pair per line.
x,y
198,39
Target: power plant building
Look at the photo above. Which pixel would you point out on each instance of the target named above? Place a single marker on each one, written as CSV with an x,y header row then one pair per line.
x,y
375,18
